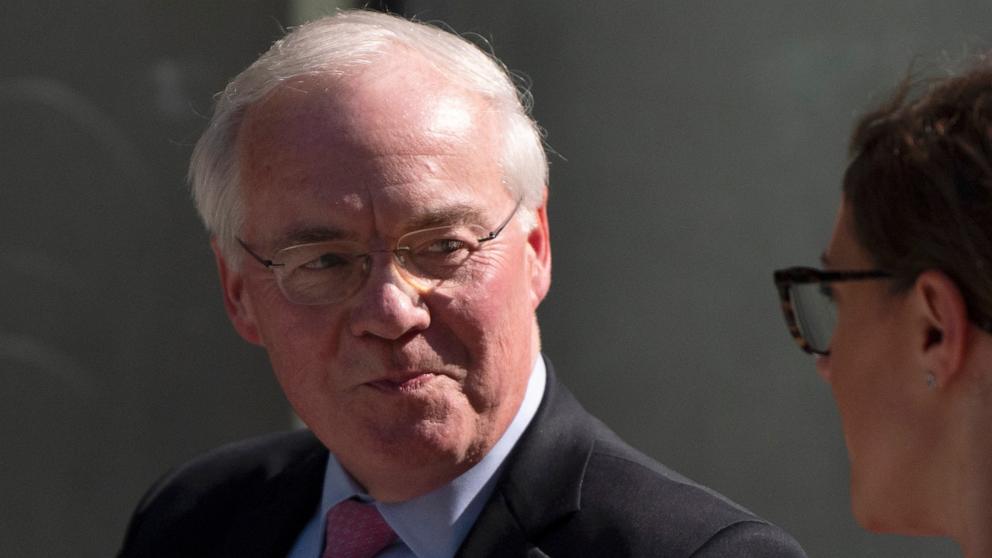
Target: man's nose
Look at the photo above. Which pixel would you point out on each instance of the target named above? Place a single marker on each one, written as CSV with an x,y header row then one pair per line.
x,y
389,304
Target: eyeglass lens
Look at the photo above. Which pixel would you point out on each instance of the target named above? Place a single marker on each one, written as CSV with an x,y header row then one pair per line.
x,y
328,272
816,315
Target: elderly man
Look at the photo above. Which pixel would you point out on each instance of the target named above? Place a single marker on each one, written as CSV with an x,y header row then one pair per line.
x,y
376,195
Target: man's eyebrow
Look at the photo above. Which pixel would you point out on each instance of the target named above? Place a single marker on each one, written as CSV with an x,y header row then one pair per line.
x,y
457,214
307,235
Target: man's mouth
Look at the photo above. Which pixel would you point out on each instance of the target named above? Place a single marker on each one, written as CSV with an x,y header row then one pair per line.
x,y
406,382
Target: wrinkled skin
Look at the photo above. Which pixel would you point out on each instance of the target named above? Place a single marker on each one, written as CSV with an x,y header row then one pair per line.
x,y
408,385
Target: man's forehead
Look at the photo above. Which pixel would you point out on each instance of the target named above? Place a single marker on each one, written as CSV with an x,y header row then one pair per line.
x,y
402,145
305,128
386,96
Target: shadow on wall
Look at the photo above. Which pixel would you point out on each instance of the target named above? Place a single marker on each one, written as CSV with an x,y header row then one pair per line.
x,y
116,358
74,247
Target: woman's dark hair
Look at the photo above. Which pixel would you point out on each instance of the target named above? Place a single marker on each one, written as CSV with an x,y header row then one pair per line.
x,y
919,186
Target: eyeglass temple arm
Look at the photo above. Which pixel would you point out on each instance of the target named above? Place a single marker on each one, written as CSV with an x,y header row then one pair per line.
x,y
260,259
493,234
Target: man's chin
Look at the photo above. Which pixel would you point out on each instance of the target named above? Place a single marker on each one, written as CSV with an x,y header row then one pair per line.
x,y
404,462
424,439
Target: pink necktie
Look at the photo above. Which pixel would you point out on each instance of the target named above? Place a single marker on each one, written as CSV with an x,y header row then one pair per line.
x,y
355,530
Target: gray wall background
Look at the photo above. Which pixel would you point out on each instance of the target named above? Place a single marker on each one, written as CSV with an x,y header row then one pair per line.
x,y
701,146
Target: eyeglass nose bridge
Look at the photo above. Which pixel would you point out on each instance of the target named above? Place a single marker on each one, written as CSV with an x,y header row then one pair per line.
x,y
400,255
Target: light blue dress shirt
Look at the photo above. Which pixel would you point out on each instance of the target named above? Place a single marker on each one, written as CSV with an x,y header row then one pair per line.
x,y
435,524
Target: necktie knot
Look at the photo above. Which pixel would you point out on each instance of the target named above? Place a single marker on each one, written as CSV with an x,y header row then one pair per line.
x,y
355,530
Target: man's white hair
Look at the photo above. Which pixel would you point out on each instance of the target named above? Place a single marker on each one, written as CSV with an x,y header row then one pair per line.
x,y
338,46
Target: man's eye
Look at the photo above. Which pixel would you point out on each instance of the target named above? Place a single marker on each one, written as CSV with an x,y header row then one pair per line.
x,y
442,246
326,261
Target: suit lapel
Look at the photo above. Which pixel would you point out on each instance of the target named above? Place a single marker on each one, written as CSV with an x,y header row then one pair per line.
x,y
267,525
496,533
542,481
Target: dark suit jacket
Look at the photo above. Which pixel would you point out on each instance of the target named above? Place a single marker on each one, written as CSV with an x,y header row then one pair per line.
x,y
571,487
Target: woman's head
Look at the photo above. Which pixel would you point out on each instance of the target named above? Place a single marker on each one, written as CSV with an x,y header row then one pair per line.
x,y
919,187
909,271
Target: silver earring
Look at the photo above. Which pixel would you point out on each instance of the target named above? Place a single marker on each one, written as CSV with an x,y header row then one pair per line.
x,y
931,380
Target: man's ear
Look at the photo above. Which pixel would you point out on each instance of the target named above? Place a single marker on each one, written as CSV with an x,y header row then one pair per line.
x,y
946,328
235,302
539,243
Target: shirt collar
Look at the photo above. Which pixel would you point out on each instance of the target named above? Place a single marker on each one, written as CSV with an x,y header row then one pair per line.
x,y
436,523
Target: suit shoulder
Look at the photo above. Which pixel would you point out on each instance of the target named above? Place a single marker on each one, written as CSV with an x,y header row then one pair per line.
x,y
750,539
572,487
617,464
238,463
633,502
199,495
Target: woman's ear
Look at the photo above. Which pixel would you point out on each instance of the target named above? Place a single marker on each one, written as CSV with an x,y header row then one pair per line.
x,y
235,302
943,340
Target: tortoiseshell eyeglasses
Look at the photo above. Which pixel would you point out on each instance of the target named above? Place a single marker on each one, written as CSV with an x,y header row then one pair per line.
x,y
808,303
